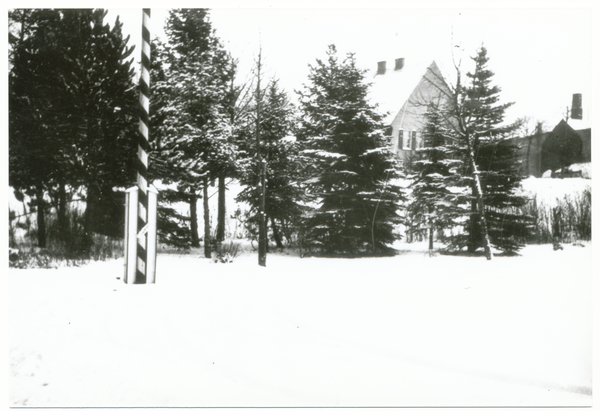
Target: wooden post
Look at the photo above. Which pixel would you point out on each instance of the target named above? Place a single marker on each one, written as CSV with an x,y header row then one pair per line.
x,y
151,236
131,221
140,221
134,235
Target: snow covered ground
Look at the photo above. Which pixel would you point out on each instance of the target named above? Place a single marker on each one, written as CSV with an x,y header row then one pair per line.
x,y
411,330
551,190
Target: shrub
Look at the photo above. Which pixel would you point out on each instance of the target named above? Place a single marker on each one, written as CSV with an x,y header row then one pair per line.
x,y
226,252
70,247
568,220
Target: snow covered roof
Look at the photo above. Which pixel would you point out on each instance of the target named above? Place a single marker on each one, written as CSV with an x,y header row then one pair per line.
x,y
393,86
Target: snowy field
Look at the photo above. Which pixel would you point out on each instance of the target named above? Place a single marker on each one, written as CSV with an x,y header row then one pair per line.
x,y
411,330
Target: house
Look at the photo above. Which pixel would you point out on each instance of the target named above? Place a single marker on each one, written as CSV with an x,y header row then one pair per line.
x,y
404,92
555,150
561,152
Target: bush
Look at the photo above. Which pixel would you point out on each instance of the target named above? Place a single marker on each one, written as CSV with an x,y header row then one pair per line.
x,y
71,247
226,252
569,220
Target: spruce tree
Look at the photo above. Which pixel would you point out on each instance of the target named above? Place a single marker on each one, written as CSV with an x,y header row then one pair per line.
x,y
353,187
492,166
433,204
192,120
72,112
283,193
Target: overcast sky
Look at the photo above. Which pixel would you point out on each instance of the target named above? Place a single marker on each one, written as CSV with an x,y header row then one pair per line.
x,y
540,55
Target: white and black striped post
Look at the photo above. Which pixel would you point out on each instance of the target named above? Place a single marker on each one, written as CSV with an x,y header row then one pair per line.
x,y
140,224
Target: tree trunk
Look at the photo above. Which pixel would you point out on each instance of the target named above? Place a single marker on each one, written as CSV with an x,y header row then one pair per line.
x,y
480,206
528,154
193,199
62,212
431,237
41,220
472,243
207,240
89,219
221,209
276,235
262,228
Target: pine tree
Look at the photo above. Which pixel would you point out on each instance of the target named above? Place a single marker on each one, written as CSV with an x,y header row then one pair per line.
x,y
283,192
192,120
353,189
493,167
32,157
433,204
72,112
107,111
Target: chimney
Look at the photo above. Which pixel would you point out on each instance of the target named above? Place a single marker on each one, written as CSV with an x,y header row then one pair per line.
x,y
576,110
381,67
399,64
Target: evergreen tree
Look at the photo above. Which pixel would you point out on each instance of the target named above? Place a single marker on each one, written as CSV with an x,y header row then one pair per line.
x,y
192,120
433,204
353,189
106,106
283,192
31,155
72,108
493,168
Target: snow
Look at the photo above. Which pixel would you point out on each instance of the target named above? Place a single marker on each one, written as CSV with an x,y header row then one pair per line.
x,y
585,168
410,330
551,190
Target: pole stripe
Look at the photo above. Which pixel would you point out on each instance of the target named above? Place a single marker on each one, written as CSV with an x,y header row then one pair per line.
x,y
143,148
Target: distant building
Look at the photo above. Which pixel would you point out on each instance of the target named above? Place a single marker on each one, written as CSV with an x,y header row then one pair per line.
x,y
555,150
404,92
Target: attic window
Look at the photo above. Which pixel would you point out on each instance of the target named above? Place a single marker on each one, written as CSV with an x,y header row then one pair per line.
x,y
381,67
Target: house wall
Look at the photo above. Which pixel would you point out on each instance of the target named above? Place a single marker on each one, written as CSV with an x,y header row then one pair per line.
x,y
586,138
530,154
530,151
410,120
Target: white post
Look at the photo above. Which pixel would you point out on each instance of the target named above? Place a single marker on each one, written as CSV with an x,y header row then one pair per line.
x,y
131,220
126,237
152,239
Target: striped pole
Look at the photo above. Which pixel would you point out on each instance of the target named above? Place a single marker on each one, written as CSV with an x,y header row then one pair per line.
x,y
143,149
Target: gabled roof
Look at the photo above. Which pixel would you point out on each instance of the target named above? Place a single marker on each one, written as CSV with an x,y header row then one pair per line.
x,y
391,89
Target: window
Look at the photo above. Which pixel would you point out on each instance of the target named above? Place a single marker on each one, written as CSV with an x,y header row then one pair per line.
x,y
413,140
407,141
400,138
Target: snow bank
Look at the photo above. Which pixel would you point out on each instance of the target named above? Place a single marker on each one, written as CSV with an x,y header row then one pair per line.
x,y
585,168
551,190
402,331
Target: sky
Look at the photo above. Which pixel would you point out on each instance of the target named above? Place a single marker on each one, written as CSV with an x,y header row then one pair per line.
x,y
541,55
